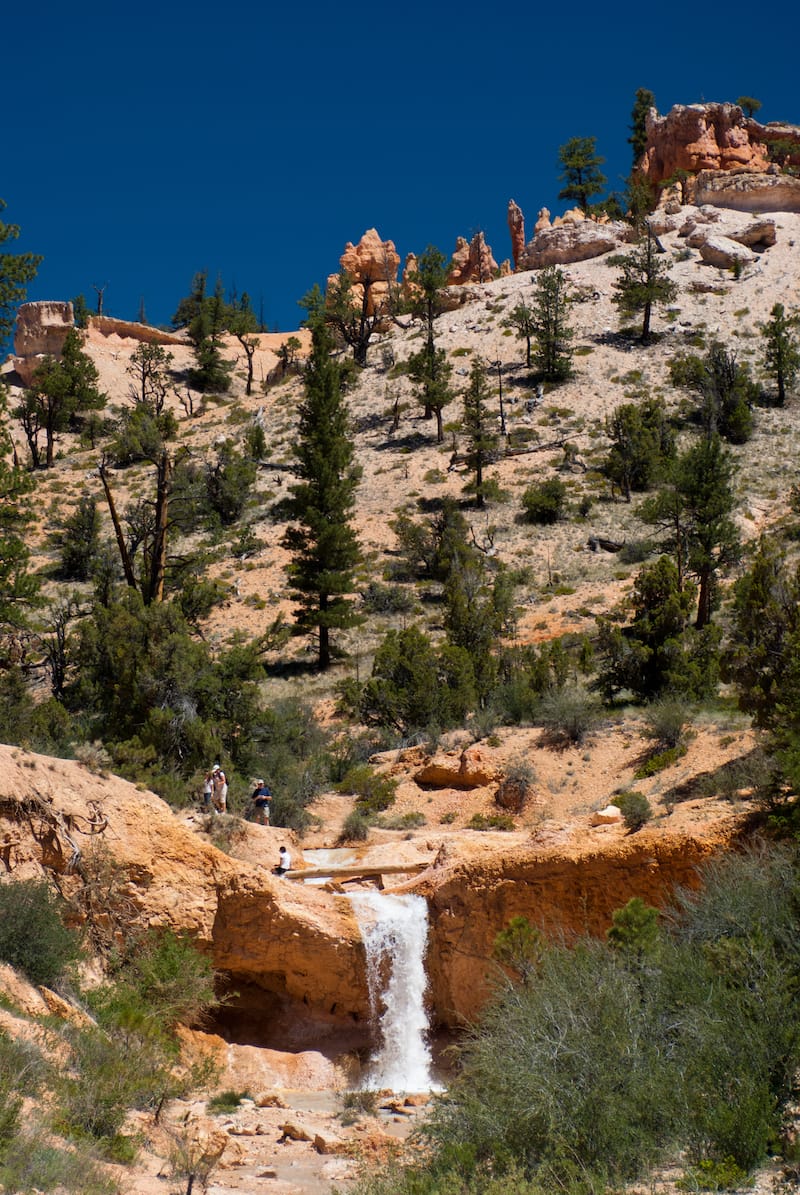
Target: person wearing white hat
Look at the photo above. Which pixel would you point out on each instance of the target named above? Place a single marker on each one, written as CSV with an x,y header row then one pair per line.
x,y
219,785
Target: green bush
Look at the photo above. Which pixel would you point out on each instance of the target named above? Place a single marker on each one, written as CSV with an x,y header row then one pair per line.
x,y
568,714
355,827
544,503
226,1101
33,938
375,791
34,1164
635,808
492,821
713,1175
666,719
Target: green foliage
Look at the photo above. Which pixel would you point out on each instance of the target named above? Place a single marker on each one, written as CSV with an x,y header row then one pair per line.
x,y
660,760
666,719
635,808
645,100
581,172
694,509
60,394
781,351
79,541
490,821
643,284
33,1164
138,437
479,427
749,104
16,271
33,937
207,318
355,827
323,544
18,588
374,791
634,928
519,947
413,684
568,714
478,609
229,482
429,549
549,325
225,1102
387,599
725,392
710,1174
149,370
543,502
641,443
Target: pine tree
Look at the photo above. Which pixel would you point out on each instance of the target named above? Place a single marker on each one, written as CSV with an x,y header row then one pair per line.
x,y
645,100
550,325
18,588
479,427
431,368
324,545
60,393
16,271
643,284
581,170
781,352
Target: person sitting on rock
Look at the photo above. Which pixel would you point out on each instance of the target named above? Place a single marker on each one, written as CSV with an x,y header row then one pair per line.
x,y
284,862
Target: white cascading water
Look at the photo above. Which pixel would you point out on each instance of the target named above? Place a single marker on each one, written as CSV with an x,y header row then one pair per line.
x,y
394,929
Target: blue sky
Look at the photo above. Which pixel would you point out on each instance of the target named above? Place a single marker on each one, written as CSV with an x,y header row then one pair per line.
x,y
143,143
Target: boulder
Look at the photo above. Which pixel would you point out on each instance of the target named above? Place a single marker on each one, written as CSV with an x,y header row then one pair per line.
x,y
516,227
606,817
724,252
470,769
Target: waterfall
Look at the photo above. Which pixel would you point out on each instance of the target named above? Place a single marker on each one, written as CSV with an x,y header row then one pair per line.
x,y
394,929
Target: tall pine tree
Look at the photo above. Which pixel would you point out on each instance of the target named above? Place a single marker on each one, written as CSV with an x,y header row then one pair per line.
x,y
323,543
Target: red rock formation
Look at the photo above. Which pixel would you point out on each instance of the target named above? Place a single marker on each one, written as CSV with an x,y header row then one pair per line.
x,y
563,891
472,262
702,137
374,262
516,227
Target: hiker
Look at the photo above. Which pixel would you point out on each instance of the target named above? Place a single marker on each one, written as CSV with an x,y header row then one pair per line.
x,y
284,862
219,786
261,797
207,788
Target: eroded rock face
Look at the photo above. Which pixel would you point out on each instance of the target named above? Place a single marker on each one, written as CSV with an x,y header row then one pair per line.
x,y
105,325
576,240
749,192
472,262
563,893
516,228
374,263
697,137
293,942
40,332
471,769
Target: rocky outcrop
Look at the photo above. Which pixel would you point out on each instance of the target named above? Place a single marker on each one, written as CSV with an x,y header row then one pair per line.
x,y
105,325
472,262
566,893
749,192
289,943
371,264
560,244
472,768
40,332
516,228
697,137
